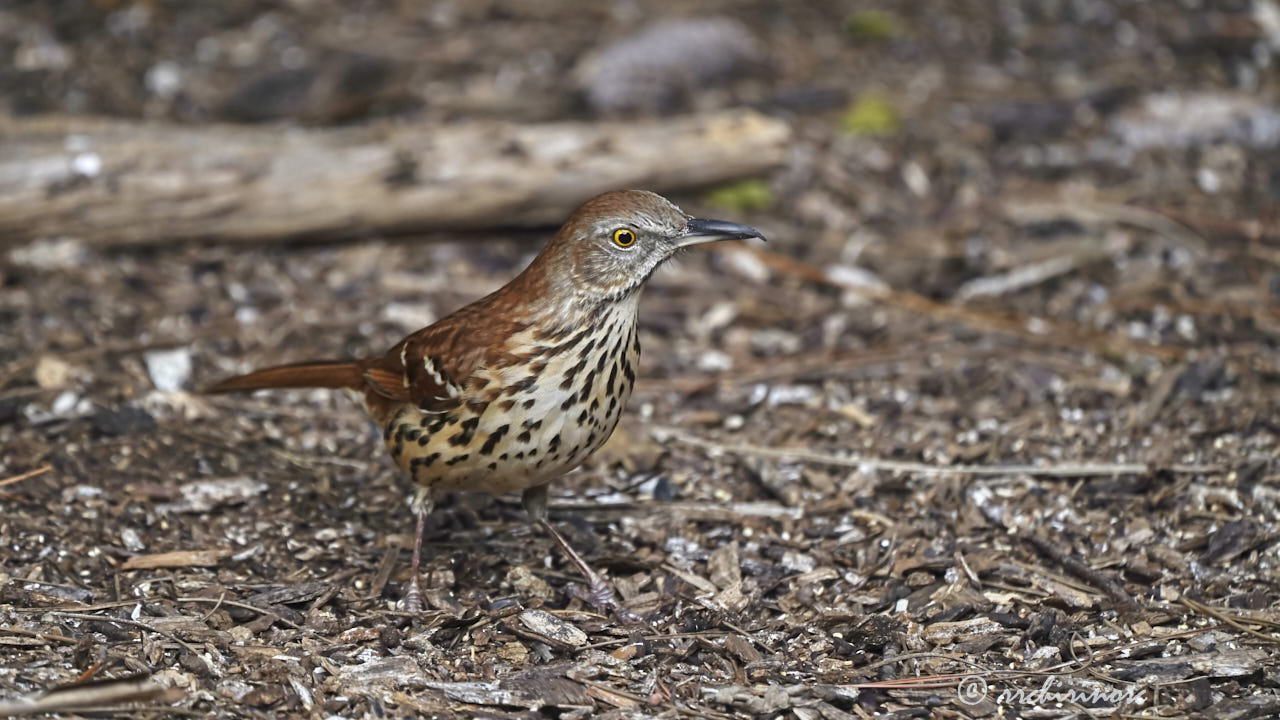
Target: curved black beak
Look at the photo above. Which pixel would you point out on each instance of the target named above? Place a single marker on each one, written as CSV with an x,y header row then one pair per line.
x,y
701,231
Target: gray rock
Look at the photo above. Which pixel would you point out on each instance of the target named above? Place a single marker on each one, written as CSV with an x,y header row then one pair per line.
x,y
658,68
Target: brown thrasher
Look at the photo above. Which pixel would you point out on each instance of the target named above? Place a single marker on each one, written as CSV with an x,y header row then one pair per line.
x,y
518,388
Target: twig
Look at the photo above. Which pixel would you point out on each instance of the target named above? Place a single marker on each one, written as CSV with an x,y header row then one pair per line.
x,y
1211,612
383,574
1060,579
177,559
313,461
243,606
1048,332
1082,571
106,692
921,656
1025,276
139,710
144,626
47,637
825,363
1068,667
335,586
1093,212
750,636
26,475
1247,228
645,701
1065,470
672,636
215,607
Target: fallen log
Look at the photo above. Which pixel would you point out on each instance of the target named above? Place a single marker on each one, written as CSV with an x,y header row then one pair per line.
x,y
118,183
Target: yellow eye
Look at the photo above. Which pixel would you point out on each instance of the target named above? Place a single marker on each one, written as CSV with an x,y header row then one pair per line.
x,y
624,237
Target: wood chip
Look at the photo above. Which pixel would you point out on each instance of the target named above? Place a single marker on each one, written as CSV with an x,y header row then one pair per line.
x,y
945,632
553,629
378,674
608,696
177,559
742,649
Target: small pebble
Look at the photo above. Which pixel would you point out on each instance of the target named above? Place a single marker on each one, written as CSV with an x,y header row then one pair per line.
x,y
169,369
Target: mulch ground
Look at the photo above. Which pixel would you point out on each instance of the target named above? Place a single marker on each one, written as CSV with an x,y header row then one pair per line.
x,y
994,413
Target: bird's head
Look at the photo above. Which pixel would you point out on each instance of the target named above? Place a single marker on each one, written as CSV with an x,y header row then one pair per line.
x,y
610,245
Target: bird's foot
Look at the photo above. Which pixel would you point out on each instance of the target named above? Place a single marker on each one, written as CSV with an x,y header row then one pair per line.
x,y
598,593
412,600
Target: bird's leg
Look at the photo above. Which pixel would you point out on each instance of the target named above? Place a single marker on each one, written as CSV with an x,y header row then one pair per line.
x,y
421,505
598,594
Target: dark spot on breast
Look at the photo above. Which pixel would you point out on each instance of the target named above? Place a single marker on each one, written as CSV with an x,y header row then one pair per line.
x,y
520,455
528,384
583,417
424,461
569,401
528,404
555,442
506,405
457,459
524,437
492,441
613,378
493,466
554,333
572,341
503,456
468,431
572,372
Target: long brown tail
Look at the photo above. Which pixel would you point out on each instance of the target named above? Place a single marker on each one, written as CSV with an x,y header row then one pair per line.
x,y
298,375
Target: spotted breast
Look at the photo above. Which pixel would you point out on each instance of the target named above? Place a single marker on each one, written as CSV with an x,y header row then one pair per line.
x,y
525,422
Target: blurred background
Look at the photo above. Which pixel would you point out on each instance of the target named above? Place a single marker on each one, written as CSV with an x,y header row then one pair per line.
x,y
1001,231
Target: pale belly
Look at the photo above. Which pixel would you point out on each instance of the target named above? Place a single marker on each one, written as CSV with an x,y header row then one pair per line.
x,y
528,429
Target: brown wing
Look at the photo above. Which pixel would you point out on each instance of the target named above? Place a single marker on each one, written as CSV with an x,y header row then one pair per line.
x,y
425,369
433,367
